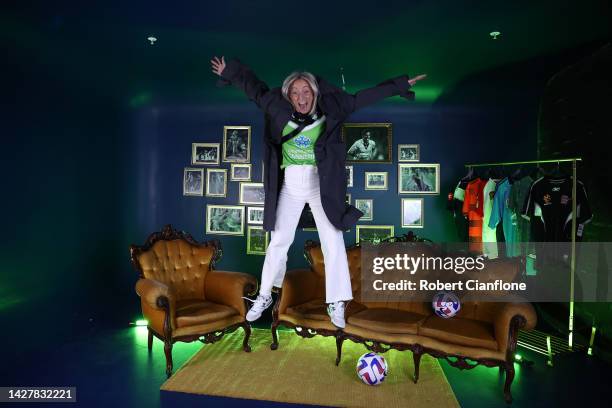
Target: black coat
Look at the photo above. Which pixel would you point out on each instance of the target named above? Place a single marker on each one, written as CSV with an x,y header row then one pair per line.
x,y
330,150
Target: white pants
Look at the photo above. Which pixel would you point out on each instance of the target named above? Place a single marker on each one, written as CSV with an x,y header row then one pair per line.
x,y
301,186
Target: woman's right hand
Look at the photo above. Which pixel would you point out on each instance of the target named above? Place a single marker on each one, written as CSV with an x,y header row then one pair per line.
x,y
218,65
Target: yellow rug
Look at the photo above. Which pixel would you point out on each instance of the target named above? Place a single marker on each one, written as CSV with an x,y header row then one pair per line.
x,y
303,371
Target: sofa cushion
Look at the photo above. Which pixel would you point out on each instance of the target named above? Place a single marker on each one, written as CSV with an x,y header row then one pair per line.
x,y
317,310
191,312
466,332
388,320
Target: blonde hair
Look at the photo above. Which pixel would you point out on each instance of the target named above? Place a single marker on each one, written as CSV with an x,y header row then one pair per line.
x,y
309,78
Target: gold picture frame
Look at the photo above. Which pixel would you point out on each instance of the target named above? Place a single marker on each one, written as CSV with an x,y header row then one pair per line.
x,y
246,197
211,186
421,181
239,151
370,186
365,216
199,152
235,166
390,229
250,241
188,189
218,222
419,222
381,135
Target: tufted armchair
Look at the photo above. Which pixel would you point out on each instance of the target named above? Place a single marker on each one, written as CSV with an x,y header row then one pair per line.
x,y
182,297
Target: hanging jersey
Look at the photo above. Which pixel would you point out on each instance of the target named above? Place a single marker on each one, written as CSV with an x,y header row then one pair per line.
x,y
472,209
300,149
550,202
489,235
501,212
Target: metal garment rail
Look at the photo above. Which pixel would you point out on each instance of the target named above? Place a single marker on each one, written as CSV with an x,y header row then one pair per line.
x,y
573,160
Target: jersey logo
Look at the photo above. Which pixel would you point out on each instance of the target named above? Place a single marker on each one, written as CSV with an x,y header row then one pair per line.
x,y
556,189
302,141
546,199
564,199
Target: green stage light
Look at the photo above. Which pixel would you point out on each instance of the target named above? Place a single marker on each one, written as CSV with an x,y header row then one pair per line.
x,y
141,322
518,357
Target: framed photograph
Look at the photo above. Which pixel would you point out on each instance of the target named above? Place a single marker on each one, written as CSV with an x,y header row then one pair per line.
x,y
347,199
376,180
257,240
418,178
252,193
236,144
349,176
193,182
367,142
366,206
408,153
255,215
225,219
205,153
263,169
216,182
374,233
413,210
240,172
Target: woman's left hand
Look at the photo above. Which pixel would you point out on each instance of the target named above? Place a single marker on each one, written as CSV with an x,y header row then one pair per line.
x,y
414,80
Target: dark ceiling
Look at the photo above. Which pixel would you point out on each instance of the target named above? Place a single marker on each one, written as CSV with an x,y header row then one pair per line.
x,y
102,47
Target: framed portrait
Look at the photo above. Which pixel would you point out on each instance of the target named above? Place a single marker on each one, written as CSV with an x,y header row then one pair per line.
x,y
205,153
413,210
349,176
376,180
257,240
216,182
418,178
255,215
366,206
374,233
240,172
225,219
408,153
193,182
347,198
252,193
367,142
236,144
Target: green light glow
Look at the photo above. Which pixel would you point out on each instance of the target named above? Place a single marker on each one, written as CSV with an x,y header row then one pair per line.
x,y
518,357
141,322
141,99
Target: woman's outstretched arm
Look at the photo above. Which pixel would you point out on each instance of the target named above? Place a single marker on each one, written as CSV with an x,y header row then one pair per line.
x,y
396,86
242,77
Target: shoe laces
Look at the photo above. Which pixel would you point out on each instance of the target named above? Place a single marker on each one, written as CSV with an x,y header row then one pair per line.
x,y
259,302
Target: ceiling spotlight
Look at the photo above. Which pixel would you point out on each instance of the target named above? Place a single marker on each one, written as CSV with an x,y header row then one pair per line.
x,y
494,34
152,40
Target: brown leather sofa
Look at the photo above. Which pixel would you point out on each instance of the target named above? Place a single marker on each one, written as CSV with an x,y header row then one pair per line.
x,y
481,333
183,298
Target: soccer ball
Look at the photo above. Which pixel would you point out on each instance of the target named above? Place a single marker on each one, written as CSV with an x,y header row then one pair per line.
x,y
372,368
446,304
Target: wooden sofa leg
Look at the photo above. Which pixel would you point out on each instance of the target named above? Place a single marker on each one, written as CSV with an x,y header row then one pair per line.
x,y
168,351
274,344
416,358
150,340
247,335
339,341
508,383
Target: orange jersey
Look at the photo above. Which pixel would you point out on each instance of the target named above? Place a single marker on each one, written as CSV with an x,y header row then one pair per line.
x,y
473,210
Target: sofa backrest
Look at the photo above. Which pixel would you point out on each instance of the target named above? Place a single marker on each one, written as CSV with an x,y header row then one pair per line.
x,y
175,259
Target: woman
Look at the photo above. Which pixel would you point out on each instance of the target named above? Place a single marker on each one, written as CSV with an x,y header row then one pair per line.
x,y
304,160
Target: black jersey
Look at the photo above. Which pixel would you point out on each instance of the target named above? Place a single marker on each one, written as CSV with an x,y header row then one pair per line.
x,y
549,203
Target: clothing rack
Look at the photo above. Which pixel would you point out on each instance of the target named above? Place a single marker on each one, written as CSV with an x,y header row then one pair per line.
x,y
574,161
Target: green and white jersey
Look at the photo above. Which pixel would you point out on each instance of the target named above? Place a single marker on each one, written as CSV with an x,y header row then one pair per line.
x,y
300,149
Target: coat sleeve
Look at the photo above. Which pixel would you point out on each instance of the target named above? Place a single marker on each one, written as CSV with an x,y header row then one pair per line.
x,y
349,103
242,77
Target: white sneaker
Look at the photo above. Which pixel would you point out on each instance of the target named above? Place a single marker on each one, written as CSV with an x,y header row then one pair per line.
x,y
259,305
336,312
